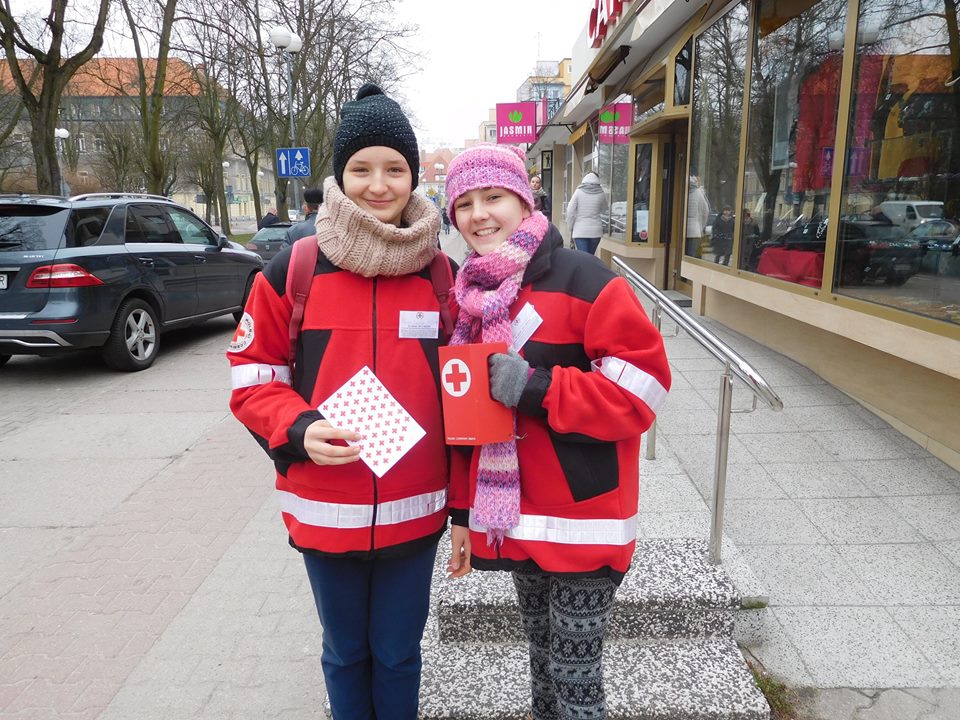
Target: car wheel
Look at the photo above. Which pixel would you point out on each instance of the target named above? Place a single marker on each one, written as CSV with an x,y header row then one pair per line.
x,y
134,338
238,315
4,359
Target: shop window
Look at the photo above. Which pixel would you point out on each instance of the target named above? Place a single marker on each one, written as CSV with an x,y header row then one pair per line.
x,y
900,229
681,74
612,146
641,193
794,95
721,53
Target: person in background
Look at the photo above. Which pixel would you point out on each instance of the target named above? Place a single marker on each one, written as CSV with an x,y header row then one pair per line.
x,y
445,219
585,213
698,214
270,218
749,238
368,542
722,235
556,504
312,198
541,201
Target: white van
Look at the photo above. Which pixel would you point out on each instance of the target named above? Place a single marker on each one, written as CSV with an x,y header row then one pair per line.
x,y
908,214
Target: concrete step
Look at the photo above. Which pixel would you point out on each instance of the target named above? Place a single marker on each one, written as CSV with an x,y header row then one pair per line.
x,y
678,680
672,591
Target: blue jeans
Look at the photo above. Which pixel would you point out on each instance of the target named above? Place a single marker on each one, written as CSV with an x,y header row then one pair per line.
x,y
588,245
373,612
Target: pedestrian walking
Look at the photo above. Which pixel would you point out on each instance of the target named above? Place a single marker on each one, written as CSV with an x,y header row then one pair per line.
x,y
445,219
585,213
749,240
722,235
368,541
558,508
541,201
312,199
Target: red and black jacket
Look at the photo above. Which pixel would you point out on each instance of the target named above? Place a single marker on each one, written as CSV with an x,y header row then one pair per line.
x,y
600,375
349,321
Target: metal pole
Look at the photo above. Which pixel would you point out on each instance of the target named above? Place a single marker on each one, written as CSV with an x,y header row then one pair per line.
x,y
293,132
652,432
720,464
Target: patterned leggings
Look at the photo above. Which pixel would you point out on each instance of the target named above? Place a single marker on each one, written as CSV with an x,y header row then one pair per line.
x,y
565,620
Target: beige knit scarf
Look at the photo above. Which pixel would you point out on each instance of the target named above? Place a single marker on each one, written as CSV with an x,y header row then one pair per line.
x,y
354,240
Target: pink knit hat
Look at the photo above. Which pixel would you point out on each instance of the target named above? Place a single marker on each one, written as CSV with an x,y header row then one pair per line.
x,y
485,166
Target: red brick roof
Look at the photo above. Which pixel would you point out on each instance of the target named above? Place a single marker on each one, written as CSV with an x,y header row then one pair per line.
x,y
114,77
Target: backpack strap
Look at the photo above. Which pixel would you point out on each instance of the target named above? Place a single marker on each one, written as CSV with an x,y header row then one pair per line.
x,y
442,277
303,262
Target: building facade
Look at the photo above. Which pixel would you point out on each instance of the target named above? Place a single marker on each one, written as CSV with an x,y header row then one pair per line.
x,y
830,130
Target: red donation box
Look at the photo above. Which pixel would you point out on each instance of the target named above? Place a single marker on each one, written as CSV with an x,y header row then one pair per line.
x,y
470,415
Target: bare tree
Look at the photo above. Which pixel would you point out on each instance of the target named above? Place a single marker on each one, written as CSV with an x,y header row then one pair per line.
x,y
119,165
42,98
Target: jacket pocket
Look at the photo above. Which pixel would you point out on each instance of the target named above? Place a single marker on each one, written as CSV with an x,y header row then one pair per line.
x,y
591,468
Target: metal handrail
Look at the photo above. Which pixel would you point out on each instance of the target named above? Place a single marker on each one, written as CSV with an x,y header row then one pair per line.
x,y
733,364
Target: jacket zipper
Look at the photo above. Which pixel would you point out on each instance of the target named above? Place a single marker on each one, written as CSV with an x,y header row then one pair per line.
x,y
373,476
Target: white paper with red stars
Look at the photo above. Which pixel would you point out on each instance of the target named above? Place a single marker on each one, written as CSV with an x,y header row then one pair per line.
x,y
363,404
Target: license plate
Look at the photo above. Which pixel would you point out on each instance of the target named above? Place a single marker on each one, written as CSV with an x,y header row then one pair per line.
x,y
3,281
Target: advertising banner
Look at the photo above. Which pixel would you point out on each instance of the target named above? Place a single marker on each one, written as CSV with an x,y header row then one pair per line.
x,y
615,123
516,123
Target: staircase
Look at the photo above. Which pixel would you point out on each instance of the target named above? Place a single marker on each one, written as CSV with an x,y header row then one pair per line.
x,y
670,653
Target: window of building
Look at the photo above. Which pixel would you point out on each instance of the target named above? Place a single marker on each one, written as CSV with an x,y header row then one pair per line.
x,y
81,143
681,74
99,144
641,193
899,241
721,56
612,153
794,95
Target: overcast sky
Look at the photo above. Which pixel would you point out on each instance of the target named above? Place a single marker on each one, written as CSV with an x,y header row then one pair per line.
x,y
476,53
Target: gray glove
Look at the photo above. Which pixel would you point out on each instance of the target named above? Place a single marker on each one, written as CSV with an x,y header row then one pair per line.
x,y
508,377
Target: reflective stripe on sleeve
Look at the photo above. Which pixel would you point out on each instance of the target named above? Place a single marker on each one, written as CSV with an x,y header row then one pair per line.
x,y
352,515
567,531
242,376
632,379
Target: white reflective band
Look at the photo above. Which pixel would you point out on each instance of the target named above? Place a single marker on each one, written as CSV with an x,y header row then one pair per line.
x,y
632,379
252,374
567,531
351,515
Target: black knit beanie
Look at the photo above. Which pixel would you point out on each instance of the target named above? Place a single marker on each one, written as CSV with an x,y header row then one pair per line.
x,y
374,119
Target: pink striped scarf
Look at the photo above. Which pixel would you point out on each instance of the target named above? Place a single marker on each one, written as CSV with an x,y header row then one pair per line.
x,y
486,287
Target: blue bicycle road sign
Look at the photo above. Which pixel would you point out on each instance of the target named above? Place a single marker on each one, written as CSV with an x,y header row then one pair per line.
x,y
293,162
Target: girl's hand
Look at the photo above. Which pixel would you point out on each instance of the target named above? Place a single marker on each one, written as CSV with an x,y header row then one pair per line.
x,y
316,441
459,564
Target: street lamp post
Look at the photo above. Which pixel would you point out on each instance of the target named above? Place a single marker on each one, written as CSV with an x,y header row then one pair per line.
x,y
288,41
61,134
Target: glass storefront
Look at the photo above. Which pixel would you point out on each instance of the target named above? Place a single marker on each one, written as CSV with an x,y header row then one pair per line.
x,y
899,239
794,96
641,192
719,61
613,145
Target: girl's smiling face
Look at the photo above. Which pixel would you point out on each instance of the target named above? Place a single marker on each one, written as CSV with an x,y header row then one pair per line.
x,y
488,216
378,179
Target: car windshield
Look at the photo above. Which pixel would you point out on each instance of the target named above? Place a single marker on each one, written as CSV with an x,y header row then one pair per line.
x,y
930,211
31,227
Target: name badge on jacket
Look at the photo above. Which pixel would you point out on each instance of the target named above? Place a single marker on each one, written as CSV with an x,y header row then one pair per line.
x,y
419,324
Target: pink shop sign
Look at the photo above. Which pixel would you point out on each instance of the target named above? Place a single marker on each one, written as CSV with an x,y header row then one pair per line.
x,y
615,123
516,123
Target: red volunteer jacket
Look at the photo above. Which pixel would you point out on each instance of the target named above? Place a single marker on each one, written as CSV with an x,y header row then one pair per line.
x,y
600,375
349,322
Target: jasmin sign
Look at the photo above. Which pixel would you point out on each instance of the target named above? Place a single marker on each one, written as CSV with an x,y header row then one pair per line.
x,y
615,123
516,123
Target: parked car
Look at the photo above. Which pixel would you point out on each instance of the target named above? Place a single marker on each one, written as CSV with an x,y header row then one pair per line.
x,y
111,271
869,250
268,241
909,214
937,240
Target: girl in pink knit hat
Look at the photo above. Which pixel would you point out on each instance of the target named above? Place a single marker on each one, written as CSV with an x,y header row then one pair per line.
x,y
585,375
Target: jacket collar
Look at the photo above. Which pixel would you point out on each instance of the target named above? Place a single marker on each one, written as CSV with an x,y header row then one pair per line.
x,y
542,259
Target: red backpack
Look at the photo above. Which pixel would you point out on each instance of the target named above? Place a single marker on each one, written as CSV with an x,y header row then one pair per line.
x,y
303,261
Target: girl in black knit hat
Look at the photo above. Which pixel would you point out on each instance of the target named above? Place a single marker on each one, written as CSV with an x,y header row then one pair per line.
x,y
368,532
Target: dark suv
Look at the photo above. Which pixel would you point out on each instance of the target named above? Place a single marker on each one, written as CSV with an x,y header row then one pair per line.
x,y
111,271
